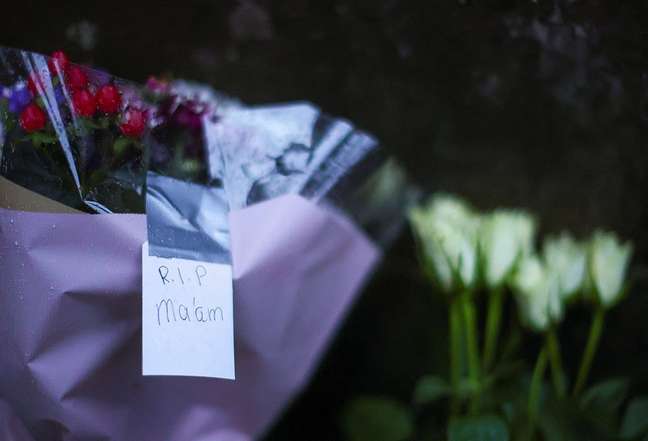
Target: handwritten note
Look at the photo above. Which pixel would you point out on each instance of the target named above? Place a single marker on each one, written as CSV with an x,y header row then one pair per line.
x,y
187,317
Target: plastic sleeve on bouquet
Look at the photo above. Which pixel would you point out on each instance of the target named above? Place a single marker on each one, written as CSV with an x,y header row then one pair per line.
x,y
270,151
186,220
186,205
71,133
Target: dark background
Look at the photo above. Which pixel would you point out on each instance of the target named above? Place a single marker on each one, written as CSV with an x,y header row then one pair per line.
x,y
535,104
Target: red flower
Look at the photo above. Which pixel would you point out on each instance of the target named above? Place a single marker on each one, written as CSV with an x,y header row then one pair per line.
x,y
76,78
84,103
32,118
133,122
58,57
109,99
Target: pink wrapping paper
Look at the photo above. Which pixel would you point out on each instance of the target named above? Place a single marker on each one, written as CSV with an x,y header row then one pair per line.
x,y
70,322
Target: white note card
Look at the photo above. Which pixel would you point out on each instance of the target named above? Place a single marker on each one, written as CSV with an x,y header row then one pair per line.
x,y
187,317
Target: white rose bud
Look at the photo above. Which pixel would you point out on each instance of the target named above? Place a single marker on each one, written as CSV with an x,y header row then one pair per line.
x,y
537,293
506,236
608,264
567,259
447,230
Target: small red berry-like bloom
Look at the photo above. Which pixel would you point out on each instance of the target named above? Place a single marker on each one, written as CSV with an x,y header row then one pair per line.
x,y
133,122
76,78
34,79
58,57
32,118
108,99
84,103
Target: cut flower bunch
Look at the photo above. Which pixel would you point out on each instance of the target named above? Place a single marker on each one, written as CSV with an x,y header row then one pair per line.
x,y
83,137
491,259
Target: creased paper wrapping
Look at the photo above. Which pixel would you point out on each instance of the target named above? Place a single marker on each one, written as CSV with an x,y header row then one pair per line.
x,y
11,428
70,323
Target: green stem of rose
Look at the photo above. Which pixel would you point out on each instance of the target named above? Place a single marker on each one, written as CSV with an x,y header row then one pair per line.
x,y
470,328
596,329
493,319
535,389
454,323
555,359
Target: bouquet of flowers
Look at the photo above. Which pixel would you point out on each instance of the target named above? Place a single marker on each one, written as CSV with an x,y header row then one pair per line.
x,y
299,202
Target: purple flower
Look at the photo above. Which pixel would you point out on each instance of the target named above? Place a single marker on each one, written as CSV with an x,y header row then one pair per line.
x,y
157,86
187,115
98,77
19,98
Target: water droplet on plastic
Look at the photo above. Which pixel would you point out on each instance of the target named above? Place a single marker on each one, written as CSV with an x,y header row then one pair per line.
x,y
11,221
53,226
15,242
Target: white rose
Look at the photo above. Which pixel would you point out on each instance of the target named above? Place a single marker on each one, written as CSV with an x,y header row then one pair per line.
x,y
538,295
447,231
608,264
567,258
506,236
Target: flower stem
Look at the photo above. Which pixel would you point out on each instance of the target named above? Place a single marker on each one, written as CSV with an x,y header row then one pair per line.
x,y
470,328
454,323
555,359
596,328
535,389
493,319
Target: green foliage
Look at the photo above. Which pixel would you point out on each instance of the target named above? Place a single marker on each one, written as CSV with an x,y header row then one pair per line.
x,y
95,124
121,145
606,396
376,419
481,428
431,388
41,138
635,420
566,420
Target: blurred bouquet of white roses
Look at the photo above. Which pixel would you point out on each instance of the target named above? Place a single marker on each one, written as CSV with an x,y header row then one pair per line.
x,y
485,259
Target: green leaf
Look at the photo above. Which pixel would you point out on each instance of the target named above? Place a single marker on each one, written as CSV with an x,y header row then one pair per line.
x,y
89,123
467,388
120,145
103,122
635,420
607,395
481,428
376,419
566,420
429,389
38,138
